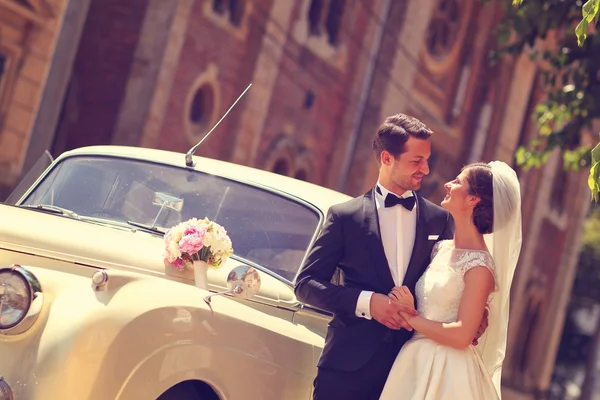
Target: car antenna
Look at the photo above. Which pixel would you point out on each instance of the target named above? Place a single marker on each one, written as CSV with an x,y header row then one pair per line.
x,y
188,156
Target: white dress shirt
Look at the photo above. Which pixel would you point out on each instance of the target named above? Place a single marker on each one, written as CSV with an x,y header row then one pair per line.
x,y
397,227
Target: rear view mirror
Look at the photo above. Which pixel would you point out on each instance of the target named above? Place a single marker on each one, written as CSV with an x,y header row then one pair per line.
x,y
164,200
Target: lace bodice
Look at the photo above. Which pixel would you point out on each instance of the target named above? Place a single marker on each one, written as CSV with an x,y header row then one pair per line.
x,y
439,290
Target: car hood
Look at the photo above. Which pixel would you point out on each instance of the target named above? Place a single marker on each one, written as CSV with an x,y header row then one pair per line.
x,y
81,242
55,237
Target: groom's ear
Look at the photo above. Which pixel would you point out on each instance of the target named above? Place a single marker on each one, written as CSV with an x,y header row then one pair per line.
x,y
386,158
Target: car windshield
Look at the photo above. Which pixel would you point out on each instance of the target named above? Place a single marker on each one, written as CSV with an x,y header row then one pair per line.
x,y
266,228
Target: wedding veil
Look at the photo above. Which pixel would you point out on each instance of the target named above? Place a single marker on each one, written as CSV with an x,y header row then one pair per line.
x,y
504,245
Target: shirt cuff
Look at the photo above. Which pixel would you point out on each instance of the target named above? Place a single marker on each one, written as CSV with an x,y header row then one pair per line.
x,y
363,305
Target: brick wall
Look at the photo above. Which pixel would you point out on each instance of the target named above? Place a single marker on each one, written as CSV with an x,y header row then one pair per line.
x,y
100,73
316,132
362,172
212,42
27,39
318,129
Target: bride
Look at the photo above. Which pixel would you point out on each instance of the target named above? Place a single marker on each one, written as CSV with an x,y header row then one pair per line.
x,y
466,275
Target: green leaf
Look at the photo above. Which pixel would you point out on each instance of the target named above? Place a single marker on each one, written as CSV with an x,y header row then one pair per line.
x,y
590,12
594,181
569,78
581,32
596,154
521,156
594,178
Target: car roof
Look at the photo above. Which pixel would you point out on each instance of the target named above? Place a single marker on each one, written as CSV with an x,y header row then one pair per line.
x,y
319,196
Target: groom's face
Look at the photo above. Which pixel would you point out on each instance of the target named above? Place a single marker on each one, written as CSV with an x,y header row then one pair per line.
x,y
406,171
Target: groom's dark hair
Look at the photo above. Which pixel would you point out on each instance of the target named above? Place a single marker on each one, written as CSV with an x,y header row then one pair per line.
x,y
393,134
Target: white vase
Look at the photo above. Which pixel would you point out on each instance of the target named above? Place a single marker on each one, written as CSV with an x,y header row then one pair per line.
x,y
201,274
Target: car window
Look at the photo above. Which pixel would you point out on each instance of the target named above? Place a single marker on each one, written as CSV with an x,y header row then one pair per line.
x,y
30,177
266,228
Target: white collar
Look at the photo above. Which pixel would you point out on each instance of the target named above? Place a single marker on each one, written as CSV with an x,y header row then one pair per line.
x,y
384,192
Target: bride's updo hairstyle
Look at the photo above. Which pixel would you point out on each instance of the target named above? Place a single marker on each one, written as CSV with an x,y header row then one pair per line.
x,y
480,180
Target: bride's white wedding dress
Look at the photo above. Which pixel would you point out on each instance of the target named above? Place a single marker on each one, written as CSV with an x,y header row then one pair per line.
x,y
424,369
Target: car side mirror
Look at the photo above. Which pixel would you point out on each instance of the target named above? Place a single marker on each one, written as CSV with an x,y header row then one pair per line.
x,y
242,282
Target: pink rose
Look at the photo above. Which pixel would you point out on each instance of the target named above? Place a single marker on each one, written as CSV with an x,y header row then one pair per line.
x,y
177,264
190,230
192,243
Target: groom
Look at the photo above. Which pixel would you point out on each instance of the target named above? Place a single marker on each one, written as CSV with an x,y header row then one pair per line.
x,y
379,240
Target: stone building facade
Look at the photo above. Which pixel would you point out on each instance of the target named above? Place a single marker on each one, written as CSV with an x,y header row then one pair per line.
x,y
325,73
29,30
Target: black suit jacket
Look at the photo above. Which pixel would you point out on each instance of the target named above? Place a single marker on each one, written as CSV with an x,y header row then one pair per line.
x,y
351,240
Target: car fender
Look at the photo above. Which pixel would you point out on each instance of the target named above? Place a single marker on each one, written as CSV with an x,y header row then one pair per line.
x,y
144,334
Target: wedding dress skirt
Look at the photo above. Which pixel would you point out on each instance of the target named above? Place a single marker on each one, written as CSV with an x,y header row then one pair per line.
x,y
426,370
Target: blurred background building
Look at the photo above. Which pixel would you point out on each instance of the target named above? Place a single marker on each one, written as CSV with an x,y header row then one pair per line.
x,y
325,74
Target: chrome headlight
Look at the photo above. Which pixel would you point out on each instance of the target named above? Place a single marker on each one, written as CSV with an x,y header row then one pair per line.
x,y
20,299
5,390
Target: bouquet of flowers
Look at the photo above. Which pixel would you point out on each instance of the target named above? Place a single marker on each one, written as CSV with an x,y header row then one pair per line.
x,y
197,240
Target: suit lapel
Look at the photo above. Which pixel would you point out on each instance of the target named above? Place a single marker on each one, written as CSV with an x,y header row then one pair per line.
x,y
374,243
419,252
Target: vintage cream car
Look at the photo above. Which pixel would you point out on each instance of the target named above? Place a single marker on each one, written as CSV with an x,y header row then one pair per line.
x,y
89,309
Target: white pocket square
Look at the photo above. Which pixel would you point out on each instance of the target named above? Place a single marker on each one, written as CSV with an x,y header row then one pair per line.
x,y
433,237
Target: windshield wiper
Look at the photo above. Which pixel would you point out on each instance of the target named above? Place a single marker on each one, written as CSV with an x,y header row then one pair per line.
x,y
72,214
52,209
146,227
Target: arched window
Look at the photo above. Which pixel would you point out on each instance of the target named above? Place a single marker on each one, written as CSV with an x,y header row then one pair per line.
x,y
301,175
559,187
3,63
315,14
234,9
285,156
281,167
333,24
201,108
25,3
443,28
219,6
330,23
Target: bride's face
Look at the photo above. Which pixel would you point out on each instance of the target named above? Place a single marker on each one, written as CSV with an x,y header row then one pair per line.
x,y
458,200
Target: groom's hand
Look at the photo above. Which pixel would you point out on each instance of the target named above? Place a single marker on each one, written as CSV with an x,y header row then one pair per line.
x,y
387,312
482,327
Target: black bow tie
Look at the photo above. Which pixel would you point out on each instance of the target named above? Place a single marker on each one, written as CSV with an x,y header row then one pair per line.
x,y
406,202
392,200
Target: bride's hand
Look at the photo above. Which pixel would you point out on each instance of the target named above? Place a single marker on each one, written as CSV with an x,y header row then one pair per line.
x,y
408,318
402,295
